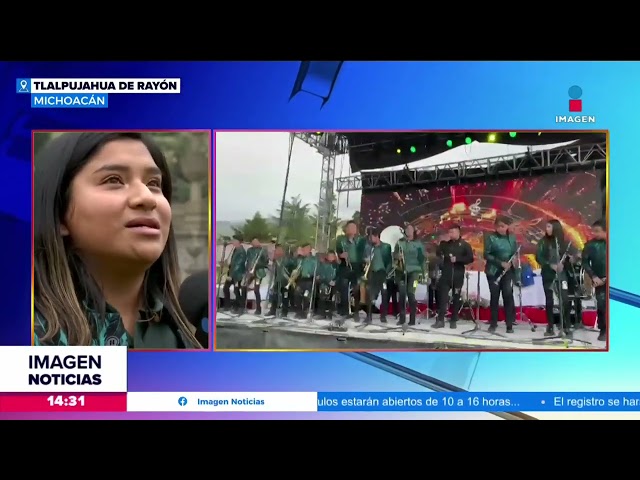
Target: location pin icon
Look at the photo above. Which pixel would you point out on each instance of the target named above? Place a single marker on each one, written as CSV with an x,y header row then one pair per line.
x,y
23,84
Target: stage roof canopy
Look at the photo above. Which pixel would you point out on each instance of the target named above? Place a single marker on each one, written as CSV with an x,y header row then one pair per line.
x,y
379,150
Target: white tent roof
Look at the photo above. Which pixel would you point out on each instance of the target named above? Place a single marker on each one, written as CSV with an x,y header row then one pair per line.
x,y
474,151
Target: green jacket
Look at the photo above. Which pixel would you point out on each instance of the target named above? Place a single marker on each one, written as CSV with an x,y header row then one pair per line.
x,y
327,272
109,330
414,255
237,264
497,249
259,255
382,257
355,248
283,268
594,258
547,255
308,267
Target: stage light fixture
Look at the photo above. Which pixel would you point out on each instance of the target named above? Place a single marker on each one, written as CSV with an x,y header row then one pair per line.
x,y
492,137
398,151
412,149
449,143
512,134
468,140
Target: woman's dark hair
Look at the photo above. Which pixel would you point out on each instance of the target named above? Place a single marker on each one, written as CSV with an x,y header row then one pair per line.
x,y
61,282
557,232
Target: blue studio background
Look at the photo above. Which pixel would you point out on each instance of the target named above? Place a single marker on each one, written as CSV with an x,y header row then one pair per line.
x,y
367,95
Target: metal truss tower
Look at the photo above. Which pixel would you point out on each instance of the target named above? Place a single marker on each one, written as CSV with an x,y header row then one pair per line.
x,y
329,145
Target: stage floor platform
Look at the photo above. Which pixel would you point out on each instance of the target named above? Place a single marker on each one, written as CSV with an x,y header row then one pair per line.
x,y
251,332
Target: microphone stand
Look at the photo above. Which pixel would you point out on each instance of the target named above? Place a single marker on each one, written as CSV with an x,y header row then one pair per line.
x,y
556,286
477,328
520,286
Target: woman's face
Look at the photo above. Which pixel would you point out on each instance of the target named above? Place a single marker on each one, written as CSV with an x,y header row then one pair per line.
x,y
549,229
117,210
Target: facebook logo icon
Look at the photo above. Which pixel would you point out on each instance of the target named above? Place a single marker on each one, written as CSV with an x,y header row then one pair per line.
x,y
23,85
182,401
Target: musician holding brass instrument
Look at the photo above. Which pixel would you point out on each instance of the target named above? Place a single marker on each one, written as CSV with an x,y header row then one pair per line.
x,y
303,285
500,250
234,275
379,262
326,280
594,262
350,249
255,271
456,254
409,265
279,294
551,254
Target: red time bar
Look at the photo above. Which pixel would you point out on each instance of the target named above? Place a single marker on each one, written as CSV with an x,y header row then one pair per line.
x,y
63,402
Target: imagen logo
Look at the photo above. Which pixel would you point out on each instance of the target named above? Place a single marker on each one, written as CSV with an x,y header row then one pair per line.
x,y
575,106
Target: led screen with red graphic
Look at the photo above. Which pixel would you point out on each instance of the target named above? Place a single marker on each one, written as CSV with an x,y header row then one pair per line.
x,y
574,198
575,102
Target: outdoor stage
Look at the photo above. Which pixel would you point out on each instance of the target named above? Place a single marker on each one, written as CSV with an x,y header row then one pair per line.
x,y
251,332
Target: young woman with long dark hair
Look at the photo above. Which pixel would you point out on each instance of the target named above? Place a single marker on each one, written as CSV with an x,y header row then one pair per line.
x,y
105,261
551,249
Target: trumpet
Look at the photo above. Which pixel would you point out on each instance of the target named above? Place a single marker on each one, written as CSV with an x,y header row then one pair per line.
x,y
513,257
293,278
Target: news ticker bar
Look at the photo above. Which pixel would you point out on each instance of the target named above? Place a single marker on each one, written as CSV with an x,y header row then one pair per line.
x,y
320,402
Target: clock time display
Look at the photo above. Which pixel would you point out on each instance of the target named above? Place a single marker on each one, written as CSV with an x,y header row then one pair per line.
x,y
66,400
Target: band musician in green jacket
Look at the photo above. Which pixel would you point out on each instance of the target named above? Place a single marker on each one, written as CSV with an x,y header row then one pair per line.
x,y
594,262
350,249
236,269
379,258
500,249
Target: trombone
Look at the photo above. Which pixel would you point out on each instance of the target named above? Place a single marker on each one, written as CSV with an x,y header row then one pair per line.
x,y
365,275
347,260
250,276
398,263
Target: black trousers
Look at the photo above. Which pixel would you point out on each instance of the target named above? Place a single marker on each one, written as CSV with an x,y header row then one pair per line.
x,y
574,300
601,307
349,284
505,288
326,295
302,296
407,284
451,280
280,296
240,295
377,285
392,293
256,292
551,287
432,295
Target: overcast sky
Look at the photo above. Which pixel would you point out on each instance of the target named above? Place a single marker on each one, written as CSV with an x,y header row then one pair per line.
x,y
251,169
